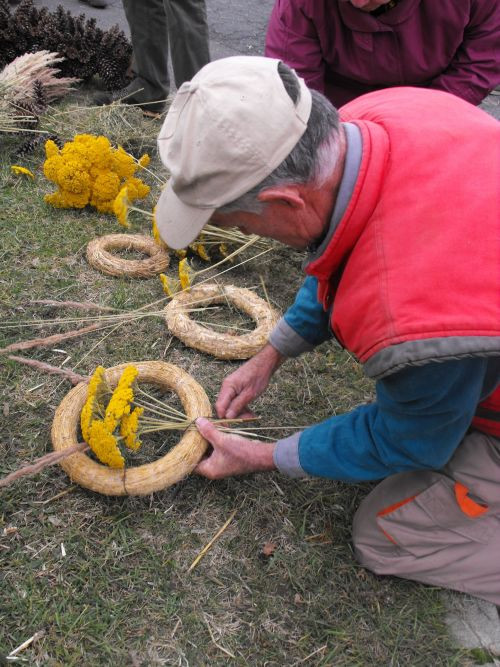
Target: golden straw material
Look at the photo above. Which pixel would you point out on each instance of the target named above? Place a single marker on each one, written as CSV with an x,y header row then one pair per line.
x,y
99,255
220,345
144,479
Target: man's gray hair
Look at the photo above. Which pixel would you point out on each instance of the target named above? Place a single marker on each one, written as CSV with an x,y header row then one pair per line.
x,y
313,158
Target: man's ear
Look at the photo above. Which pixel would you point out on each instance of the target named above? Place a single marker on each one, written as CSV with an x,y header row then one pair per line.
x,y
287,195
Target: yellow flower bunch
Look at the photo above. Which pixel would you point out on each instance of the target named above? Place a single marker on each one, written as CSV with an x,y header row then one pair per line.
x,y
16,169
186,277
170,287
186,274
89,171
200,250
97,388
156,234
121,399
104,445
120,207
129,427
98,423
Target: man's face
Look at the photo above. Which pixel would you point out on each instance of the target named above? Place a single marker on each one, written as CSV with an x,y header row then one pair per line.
x,y
367,5
271,223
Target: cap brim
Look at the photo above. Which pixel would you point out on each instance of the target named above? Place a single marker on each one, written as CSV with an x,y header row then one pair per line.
x,y
179,223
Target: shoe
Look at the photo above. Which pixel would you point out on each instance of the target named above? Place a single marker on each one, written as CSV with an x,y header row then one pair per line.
x,y
100,4
126,96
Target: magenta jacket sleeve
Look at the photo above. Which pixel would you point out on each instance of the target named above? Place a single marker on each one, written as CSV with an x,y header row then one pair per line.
x,y
475,68
292,37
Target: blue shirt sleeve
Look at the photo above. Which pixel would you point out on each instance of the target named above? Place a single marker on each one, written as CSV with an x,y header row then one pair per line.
x,y
419,418
307,316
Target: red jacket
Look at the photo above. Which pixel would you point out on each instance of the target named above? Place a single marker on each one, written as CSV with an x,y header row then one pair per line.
x,y
413,268
344,52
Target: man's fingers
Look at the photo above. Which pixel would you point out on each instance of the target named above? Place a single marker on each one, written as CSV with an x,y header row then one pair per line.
x,y
207,429
239,404
227,393
203,467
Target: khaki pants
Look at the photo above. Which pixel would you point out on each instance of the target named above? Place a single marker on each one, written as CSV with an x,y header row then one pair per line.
x,y
438,527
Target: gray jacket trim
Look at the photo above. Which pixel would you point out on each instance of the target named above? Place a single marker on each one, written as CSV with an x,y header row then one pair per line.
x,y
286,456
287,341
419,352
354,152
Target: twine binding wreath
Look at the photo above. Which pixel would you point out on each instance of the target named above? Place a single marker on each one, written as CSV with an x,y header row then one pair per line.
x,y
144,479
220,345
100,257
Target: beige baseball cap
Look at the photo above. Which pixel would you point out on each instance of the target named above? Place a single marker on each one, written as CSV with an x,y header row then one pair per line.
x,y
226,130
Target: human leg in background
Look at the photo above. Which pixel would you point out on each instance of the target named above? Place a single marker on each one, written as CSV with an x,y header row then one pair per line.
x,y
188,34
149,35
438,527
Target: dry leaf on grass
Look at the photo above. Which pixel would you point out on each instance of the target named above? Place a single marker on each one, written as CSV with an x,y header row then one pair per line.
x,y
268,549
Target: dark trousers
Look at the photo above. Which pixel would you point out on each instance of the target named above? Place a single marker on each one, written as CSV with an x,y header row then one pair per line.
x,y
156,25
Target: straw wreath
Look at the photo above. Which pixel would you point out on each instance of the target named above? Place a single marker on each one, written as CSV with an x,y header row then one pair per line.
x,y
220,345
144,479
100,257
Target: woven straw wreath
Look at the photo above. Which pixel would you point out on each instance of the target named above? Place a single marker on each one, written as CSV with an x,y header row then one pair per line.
x,y
100,257
220,345
144,479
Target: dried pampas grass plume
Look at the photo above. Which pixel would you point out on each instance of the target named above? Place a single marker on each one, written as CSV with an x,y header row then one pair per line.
x,y
17,79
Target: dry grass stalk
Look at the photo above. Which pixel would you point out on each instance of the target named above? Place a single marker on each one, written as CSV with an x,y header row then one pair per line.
x,y
100,257
43,462
28,642
220,345
73,377
47,341
209,545
82,305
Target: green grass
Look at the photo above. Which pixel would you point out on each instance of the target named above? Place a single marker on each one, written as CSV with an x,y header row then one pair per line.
x,y
122,594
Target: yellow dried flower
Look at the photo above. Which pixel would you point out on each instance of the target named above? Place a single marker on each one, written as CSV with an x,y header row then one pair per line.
x,y
136,188
104,445
170,287
51,167
186,274
121,399
106,186
144,161
120,207
89,165
51,148
156,234
129,427
22,170
200,250
73,177
123,163
62,199
93,405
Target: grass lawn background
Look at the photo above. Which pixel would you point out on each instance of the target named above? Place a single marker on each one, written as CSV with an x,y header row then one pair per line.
x,y
122,595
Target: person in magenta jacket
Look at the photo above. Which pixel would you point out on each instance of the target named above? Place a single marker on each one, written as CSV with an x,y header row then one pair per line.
x,y
397,206
345,48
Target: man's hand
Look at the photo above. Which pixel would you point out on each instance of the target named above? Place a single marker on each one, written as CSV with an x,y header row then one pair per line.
x,y
232,454
248,382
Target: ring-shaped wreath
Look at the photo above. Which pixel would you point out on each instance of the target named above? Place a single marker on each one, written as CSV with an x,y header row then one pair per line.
x,y
144,479
220,345
100,257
